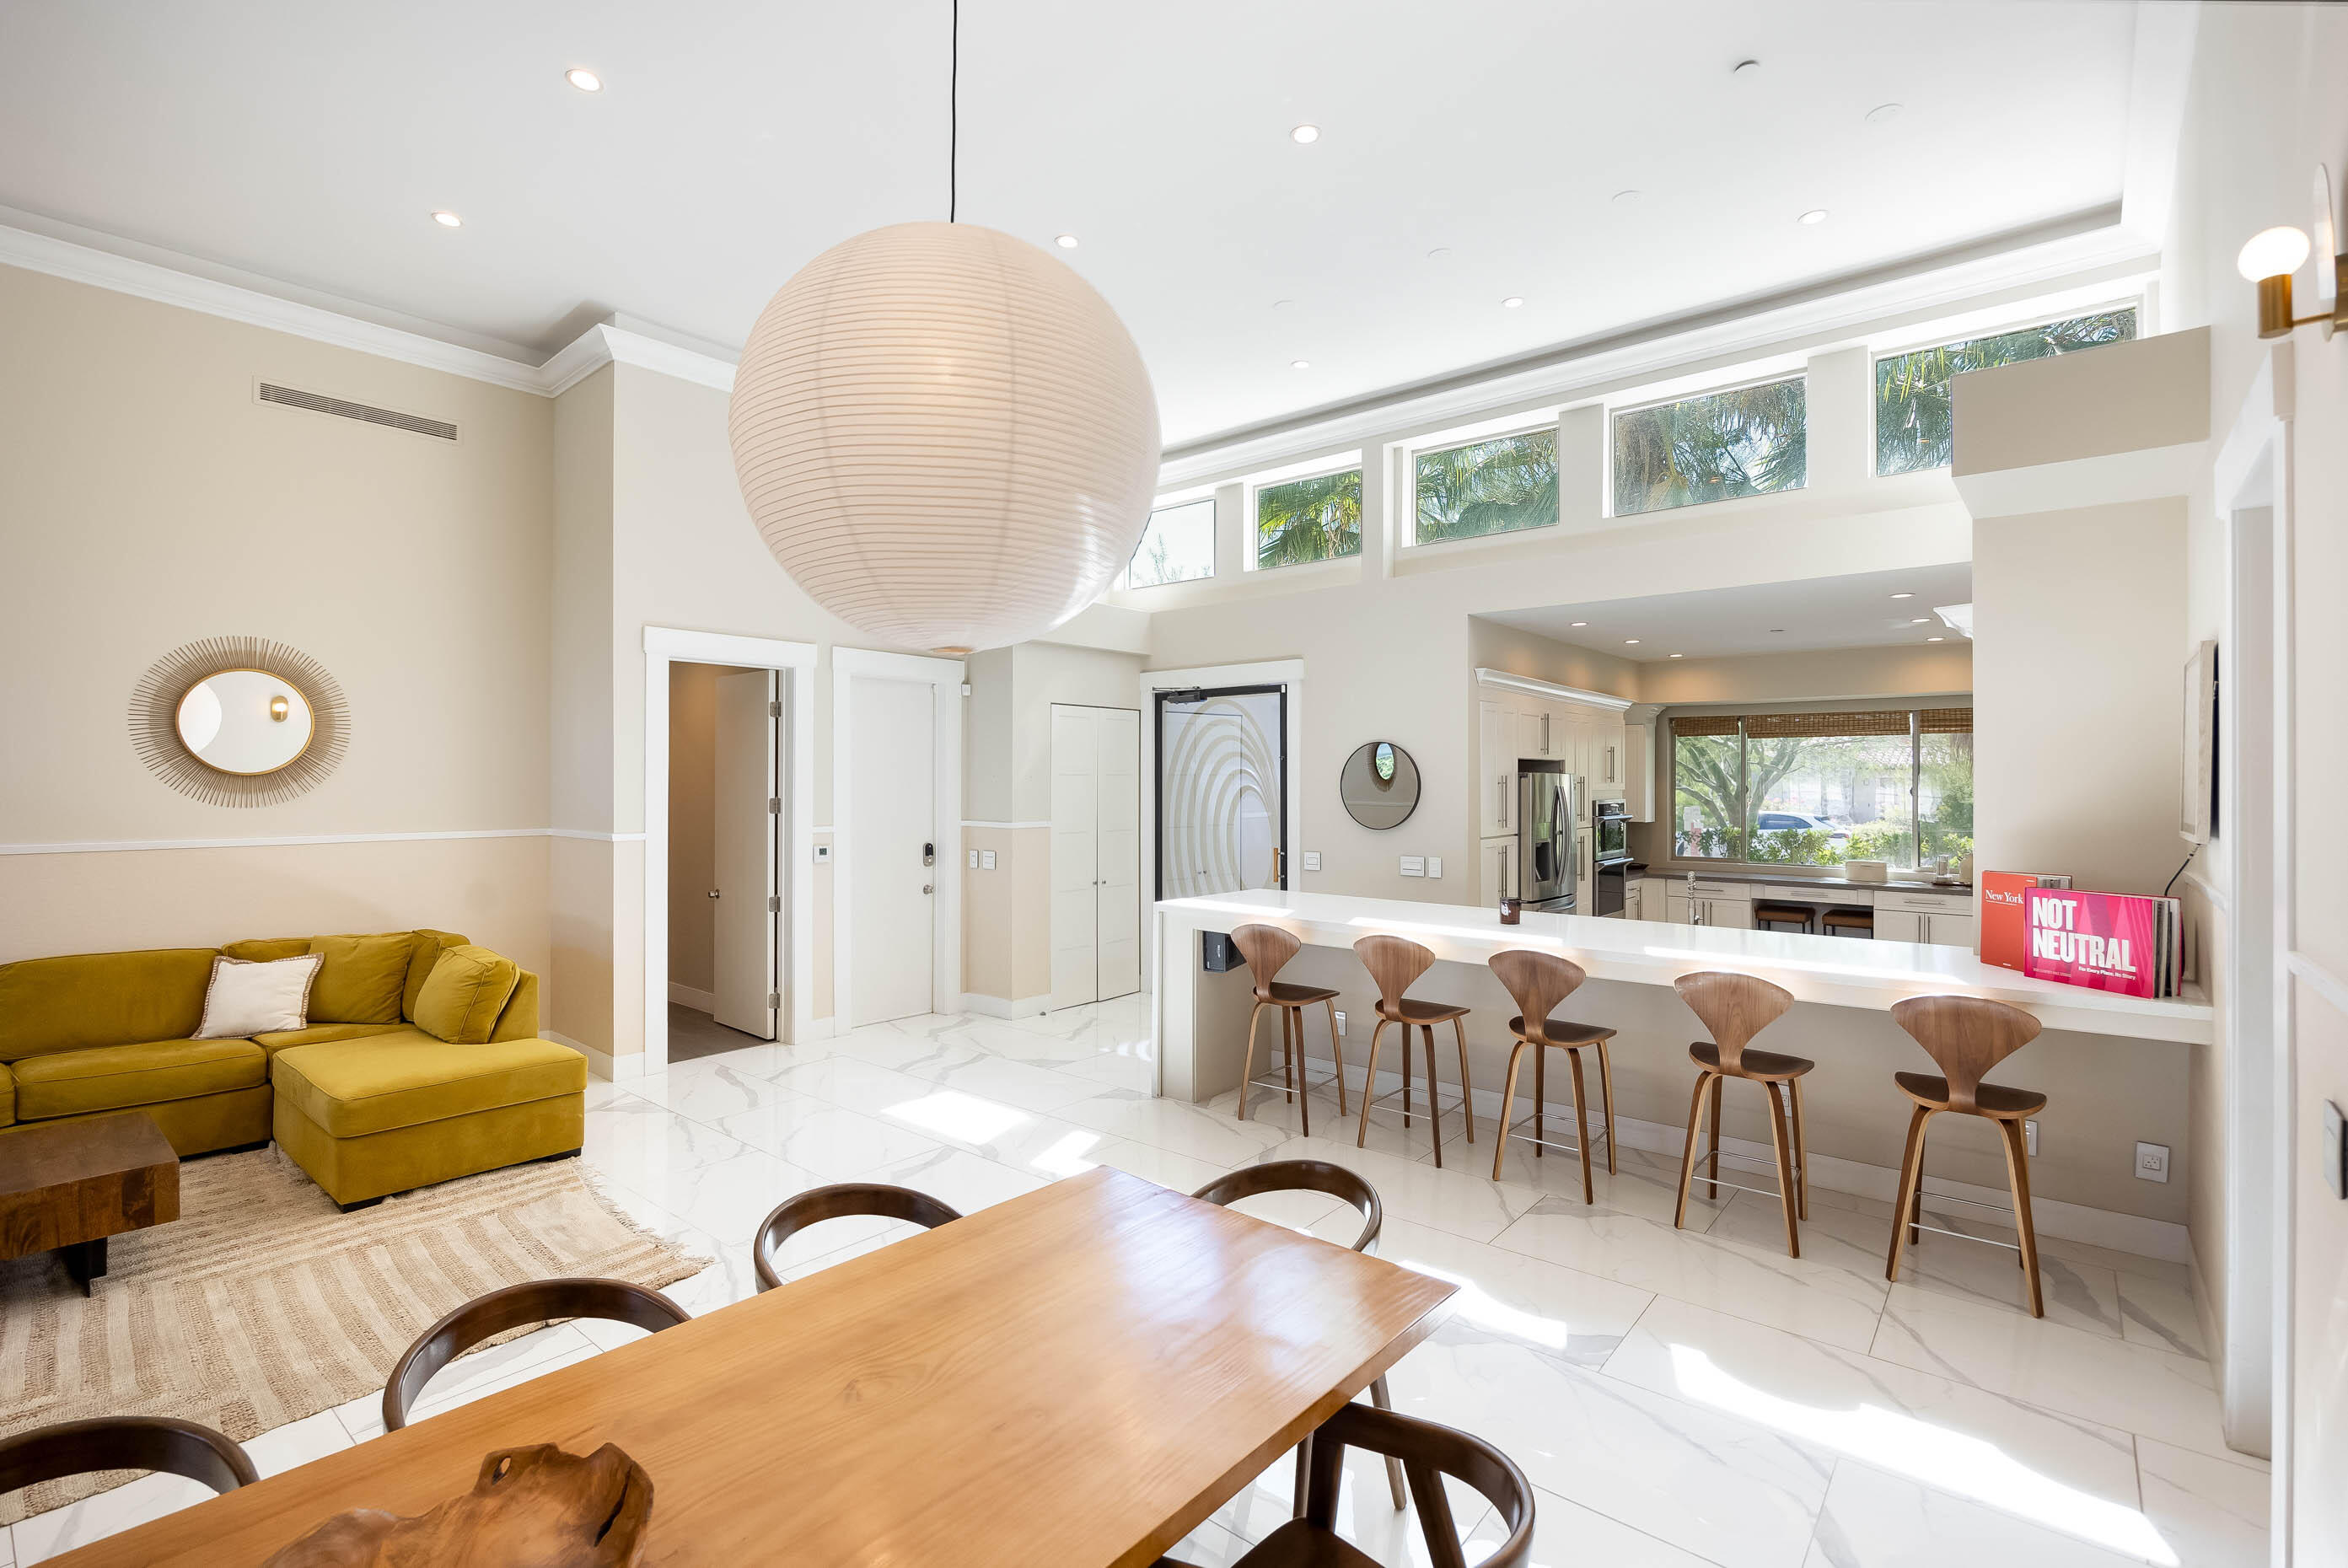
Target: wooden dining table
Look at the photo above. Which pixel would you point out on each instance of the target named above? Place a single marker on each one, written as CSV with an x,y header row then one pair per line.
x,y
1078,1377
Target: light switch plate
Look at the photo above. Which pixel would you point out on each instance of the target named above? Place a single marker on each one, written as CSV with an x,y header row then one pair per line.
x,y
1413,866
823,854
1341,1023
973,860
2029,1137
986,860
1311,860
2152,1161
1435,865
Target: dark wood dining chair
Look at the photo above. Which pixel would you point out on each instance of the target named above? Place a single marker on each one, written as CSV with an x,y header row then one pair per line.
x,y
1315,1176
1267,950
124,1443
1538,982
1428,1452
534,1301
1965,1036
842,1200
1394,962
1736,1007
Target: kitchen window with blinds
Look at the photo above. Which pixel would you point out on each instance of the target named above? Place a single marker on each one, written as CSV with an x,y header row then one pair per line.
x,y
1819,789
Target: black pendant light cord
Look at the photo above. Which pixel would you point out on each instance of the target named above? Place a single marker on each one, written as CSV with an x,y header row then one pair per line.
x,y
953,115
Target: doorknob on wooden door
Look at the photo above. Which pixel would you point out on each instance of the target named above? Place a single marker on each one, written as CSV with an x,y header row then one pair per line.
x,y
713,892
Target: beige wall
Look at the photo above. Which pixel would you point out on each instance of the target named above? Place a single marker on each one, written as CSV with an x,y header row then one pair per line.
x,y
151,501
1821,674
2264,107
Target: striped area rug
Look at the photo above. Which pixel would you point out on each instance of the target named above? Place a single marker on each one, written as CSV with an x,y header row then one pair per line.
x,y
263,1303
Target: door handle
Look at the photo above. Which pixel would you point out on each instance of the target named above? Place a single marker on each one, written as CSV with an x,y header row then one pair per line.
x,y
1275,862
926,888
713,892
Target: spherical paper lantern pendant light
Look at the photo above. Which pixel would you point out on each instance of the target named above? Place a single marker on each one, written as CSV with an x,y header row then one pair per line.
x,y
945,436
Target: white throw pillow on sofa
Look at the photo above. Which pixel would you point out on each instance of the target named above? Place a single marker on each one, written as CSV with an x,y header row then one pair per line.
x,y
248,998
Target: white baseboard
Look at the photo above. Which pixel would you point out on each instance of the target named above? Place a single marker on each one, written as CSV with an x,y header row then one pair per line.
x,y
2146,1238
685,996
602,1063
1002,1008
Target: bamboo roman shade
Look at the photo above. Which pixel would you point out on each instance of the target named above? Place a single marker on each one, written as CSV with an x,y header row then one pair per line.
x,y
1945,721
1825,725
1704,723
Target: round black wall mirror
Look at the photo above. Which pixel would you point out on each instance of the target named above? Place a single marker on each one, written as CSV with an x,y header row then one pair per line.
x,y
1379,785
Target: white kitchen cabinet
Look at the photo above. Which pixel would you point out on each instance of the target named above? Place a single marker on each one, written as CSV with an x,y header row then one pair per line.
x,y
1496,738
1655,898
1535,726
1498,862
1939,929
1634,899
1639,771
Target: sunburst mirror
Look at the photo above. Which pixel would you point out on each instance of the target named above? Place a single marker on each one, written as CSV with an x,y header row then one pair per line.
x,y
239,721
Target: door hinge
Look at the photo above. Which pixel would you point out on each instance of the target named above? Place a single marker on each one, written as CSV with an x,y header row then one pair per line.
x,y
774,805
774,998
774,710
773,903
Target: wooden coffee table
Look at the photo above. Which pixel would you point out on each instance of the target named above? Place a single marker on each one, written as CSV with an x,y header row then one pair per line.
x,y
66,1186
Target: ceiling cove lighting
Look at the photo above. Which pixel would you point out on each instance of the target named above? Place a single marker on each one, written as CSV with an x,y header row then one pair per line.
x,y
585,80
2271,255
447,220
944,435
1814,217
1306,135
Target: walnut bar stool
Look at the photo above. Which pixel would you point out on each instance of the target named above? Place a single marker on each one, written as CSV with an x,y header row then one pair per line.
x,y
1394,962
1267,950
1967,1035
1736,1007
1540,981
1770,917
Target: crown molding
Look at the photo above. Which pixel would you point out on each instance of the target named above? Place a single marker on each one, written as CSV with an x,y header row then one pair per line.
x,y
2086,249
598,345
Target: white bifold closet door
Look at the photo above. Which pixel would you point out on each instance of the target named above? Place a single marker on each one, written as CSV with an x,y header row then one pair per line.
x,y
1096,853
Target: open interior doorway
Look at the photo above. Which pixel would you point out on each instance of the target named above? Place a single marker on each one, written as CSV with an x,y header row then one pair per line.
x,y
726,924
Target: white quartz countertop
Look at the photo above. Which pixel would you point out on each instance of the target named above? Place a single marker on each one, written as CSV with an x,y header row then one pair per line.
x,y
1835,971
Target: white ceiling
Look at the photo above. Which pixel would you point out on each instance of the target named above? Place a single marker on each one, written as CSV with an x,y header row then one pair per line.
x,y
1856,611
308,143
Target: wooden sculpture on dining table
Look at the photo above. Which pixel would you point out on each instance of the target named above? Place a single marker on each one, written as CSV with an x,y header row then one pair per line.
x,y
535,1507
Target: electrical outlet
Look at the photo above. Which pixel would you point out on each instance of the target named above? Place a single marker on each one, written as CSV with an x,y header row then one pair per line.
x,y
986,860
1311,860
2152,1161
2029,1137
1413,866
1341,1023
1435,865
973,860
823,854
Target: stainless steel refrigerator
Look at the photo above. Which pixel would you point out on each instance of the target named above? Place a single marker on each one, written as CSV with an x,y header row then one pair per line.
x,y
1547,800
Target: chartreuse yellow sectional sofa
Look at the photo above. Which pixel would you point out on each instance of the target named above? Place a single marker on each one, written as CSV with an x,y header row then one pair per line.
x,y
365,1100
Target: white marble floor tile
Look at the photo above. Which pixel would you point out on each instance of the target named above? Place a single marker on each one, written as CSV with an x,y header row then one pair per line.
x,y
1643,1182
2050,1469
850,1081
2161,1314
1176,1127
959,1179
1036,1089
1877,1521
640,1143
296,1443
836,1143
2112,1381
469,1377
1815,1299
61,1530
708,1088
1119,1021
1269,1108
1568,1535
1561,1312
1114,1069
2214,1512
1449,1199
1725,1489
1366,1517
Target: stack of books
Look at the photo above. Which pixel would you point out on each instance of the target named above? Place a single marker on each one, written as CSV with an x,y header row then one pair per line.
x,y
2104,940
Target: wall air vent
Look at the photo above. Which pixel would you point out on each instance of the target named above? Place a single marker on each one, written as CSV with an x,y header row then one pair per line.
x,y
342,408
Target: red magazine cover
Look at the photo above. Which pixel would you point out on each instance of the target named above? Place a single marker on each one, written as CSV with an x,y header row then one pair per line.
x,y
2003,941
2104,940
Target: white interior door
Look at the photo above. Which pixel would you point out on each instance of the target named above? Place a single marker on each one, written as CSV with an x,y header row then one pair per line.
x,y
1120,851
746,916
892,769
1076,855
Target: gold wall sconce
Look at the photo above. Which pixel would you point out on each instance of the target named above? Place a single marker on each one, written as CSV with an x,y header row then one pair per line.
x,y
2271,255
277,708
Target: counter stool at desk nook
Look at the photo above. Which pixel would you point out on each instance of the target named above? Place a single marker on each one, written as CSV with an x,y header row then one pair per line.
x,y
1394,962
1966,1037
1538,982
1736,1007
1267,950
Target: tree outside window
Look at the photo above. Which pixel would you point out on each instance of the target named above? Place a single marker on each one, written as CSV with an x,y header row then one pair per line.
x,y
1748,441
1914,394
1317,518
1817,790
1487,487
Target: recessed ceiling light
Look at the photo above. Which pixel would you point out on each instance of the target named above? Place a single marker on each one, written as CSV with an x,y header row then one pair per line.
x,y
1439,253
1777,628
1299,365
449,220
1920,620
585,80
1814,217
1581,623
1511,303
1626,197
1629,642
1936,639
1305,134
1903,595
1066,242
1745,68
1882,112
1679,656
